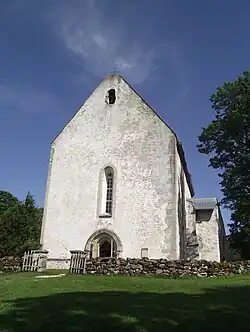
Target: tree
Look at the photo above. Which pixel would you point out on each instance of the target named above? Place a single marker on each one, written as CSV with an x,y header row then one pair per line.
x,y
20,224
227,140
6,201
33,217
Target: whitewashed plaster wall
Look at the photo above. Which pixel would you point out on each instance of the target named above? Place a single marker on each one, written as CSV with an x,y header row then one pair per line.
x,y
208,235
130,137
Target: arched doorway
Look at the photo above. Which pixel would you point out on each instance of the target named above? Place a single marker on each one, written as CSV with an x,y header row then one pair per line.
x,y
103,243
103,246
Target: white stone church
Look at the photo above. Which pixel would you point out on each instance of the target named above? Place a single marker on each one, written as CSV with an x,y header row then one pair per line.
x,y
118,186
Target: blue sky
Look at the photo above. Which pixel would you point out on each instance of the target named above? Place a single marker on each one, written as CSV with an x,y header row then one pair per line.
x,y
53,54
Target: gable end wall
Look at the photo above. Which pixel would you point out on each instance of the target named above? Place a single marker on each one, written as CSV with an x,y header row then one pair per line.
x,y
129,136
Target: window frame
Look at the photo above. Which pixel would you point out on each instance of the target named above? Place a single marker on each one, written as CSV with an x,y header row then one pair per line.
x,y
109,192
106,192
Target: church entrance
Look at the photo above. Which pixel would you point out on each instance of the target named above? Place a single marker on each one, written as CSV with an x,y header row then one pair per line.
x,y
103,245
105,249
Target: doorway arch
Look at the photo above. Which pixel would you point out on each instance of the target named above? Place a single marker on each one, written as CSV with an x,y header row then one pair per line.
x,y
103,243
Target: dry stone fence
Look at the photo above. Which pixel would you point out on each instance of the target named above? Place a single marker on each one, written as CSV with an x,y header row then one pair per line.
x,y
162,267
81,264
33,260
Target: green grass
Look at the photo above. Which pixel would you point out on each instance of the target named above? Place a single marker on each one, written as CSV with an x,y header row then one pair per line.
x,y
95,303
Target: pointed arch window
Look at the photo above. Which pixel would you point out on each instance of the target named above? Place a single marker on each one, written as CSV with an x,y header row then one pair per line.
x,y
107,192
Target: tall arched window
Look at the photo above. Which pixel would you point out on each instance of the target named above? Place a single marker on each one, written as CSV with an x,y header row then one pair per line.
x,y
106,192
109,192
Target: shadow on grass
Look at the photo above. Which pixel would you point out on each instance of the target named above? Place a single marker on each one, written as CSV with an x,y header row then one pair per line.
x,y
214,310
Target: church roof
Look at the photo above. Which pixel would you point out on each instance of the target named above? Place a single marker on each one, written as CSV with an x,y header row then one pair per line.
x,y
204,203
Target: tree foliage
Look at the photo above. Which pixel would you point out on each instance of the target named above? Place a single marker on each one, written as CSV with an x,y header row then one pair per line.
x,y
6,201
20,224
227,140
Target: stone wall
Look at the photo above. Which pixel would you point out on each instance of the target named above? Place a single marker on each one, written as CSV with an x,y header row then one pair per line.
x,y
163,267
148,267
10,264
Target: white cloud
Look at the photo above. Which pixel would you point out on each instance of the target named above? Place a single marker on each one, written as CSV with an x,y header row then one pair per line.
x,y
105,45
28,100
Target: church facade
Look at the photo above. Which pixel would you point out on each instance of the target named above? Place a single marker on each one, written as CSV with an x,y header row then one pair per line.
x,y
118,186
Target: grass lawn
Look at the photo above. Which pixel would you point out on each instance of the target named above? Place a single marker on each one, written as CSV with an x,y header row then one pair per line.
x,y
95,303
